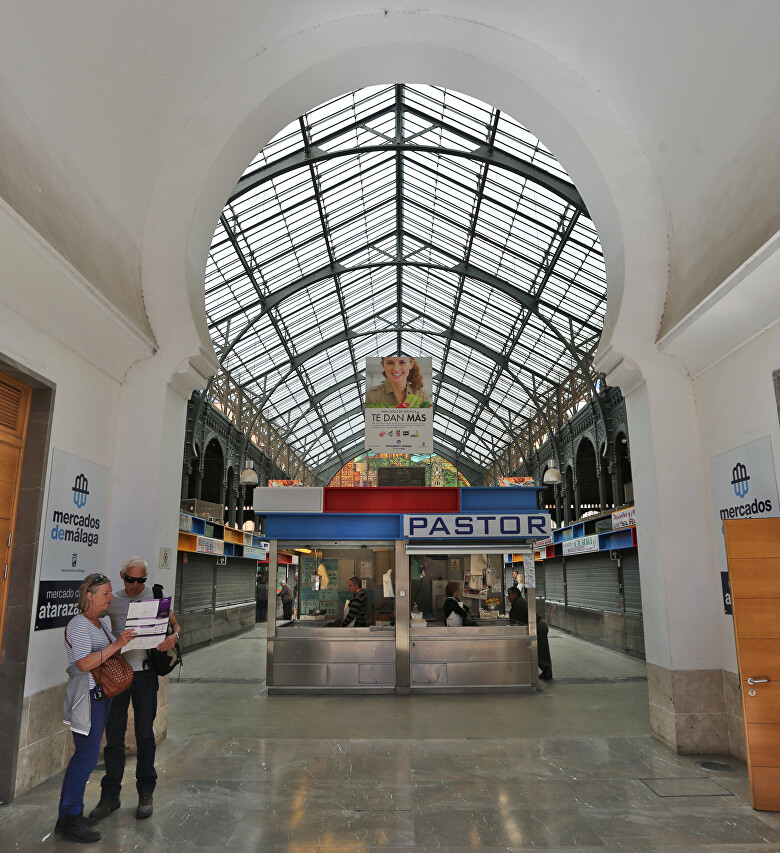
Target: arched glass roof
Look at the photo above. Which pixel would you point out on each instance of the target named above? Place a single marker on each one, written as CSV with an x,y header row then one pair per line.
x,y
404,219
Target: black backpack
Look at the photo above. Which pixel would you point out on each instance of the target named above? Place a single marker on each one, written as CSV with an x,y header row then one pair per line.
x,y
163,663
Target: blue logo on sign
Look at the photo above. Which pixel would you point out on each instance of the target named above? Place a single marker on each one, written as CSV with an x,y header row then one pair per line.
x,y
80,491
740,479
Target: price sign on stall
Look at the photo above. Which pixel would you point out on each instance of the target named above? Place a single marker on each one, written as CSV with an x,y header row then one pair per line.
x,y
529,571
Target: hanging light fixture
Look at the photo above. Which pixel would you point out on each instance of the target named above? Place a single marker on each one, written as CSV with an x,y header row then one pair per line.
x,y
248,475
552,476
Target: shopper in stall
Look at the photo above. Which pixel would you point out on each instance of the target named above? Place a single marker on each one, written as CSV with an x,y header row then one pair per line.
x,y
519,616
358,605
455,613
286,594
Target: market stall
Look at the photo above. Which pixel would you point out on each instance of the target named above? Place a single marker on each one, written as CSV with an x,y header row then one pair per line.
x,y
395,550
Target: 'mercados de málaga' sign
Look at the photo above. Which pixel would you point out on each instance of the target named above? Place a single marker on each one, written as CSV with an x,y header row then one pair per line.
x,y
477,525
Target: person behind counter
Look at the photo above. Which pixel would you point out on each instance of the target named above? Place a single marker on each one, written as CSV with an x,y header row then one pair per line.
x,y
455,613
286,594
519,615
356,615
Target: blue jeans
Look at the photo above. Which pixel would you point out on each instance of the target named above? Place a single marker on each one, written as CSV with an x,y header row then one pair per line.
x,y
143,694
85,757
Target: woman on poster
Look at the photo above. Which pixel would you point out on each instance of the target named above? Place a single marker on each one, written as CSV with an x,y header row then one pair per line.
x,y
402,387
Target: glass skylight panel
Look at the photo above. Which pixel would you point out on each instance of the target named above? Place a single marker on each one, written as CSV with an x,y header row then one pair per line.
x,y
279,228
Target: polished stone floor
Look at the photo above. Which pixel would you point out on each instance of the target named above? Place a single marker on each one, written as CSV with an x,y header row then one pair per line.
x,y
572,767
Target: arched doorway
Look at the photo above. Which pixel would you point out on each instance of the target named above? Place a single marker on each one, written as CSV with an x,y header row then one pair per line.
x,y
587,479
213,466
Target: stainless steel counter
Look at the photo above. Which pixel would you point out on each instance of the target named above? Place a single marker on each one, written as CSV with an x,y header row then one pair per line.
x,y
491,656
315,658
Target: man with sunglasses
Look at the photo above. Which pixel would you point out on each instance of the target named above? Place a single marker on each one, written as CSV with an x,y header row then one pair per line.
x,y
142,693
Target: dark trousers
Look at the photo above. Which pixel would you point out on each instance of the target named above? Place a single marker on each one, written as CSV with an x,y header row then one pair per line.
x,y
143,694
85,757
543,646
287,609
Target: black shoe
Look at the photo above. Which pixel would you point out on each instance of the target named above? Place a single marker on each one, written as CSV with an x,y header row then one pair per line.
x,y
546,675
58,826
103,809
76,828
145,806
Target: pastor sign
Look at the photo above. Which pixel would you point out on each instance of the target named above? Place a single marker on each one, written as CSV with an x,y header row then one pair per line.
x,y
483,525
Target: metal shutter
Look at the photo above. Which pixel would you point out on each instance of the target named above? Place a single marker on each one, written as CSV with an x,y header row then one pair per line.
x,y
236,583
197,584
592,582
553,580
632,595
540,587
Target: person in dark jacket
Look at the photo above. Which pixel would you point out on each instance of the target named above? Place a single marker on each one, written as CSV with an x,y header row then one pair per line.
x,y
519,615
455,613
286,594
356,615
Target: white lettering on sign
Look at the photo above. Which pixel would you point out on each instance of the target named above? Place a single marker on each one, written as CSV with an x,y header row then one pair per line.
x,y
583,545
207,545
624,518
477,526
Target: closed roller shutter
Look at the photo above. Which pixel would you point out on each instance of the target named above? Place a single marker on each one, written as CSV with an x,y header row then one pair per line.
x,y
540,587
197,584
592,582
632,596
236,583
553,580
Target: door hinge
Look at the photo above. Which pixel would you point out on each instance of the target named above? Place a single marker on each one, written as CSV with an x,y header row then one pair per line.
x,y
5,573
9,540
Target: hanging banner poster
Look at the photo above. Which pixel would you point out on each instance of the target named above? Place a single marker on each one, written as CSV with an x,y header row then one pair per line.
x,y
743,486
72,544
515,481
398,405
287,484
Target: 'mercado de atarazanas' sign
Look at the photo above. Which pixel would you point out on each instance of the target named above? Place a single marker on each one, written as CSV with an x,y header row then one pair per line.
x,y
477,525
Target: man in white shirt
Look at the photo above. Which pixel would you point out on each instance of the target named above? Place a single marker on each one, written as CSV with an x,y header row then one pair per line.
x,y
142,693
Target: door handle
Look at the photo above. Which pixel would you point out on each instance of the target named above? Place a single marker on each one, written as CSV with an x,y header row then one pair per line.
x,y
758,680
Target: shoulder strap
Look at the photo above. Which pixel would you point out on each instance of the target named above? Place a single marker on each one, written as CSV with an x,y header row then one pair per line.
x,y
157,590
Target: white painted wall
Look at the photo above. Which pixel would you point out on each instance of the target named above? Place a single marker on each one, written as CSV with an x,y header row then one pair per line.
x,y
735,402
54,324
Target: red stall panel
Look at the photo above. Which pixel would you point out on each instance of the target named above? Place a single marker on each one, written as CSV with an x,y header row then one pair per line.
x,y
392,499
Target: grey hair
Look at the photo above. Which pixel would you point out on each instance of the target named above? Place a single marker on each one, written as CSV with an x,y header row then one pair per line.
x,y
134,561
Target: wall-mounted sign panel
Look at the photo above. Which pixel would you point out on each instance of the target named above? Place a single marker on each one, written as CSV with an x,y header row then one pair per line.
x,y
206,545
624,518
256,553
583,545
72,545
743,485
481,525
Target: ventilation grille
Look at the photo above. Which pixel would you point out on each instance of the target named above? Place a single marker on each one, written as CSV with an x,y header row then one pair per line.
x,y
10,407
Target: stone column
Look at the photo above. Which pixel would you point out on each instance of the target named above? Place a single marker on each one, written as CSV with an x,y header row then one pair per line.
x,y
688,688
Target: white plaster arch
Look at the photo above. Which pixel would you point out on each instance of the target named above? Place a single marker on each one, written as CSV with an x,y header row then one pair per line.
x,y
246,108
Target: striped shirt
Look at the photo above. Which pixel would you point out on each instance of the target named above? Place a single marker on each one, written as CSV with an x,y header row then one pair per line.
x,y
356,615
85,638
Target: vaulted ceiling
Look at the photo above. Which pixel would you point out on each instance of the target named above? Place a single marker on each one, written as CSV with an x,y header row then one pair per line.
x,y
404,219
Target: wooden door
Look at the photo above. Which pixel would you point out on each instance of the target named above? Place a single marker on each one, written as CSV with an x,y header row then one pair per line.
x,y
753,553
14,412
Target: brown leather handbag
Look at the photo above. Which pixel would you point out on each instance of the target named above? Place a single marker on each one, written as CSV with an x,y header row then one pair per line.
x,y
113,676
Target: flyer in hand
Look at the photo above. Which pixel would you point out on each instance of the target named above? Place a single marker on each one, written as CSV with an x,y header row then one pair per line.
x,y
149,619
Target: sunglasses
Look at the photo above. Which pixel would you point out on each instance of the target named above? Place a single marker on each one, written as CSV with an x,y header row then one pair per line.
x,y
98,581
128,579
